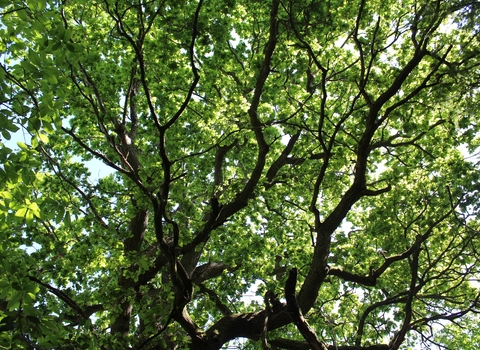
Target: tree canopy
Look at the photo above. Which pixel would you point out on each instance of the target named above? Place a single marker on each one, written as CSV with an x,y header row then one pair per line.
x,y
318,154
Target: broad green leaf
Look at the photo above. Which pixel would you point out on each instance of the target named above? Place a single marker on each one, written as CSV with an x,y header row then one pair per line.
x,y
22,146
43,137
20,213
34,209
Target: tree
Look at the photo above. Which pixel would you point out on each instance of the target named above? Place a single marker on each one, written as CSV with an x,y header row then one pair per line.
x,y
317,153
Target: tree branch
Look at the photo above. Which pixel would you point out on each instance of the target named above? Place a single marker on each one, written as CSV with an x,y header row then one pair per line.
x,y
296,315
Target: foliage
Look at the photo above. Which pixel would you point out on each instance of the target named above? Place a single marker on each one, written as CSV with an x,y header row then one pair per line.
x,y
246,141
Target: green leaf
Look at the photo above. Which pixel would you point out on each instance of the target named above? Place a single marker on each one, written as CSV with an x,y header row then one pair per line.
x,y
67,219
34,142
67,34
43,137
22,13
48,128
34,58
34,123
14,303
70,47
6,135
55,47
20,213
22,146
41,4
60,215
50,74
34,208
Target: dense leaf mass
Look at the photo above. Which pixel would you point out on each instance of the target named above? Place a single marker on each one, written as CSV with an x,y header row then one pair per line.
x,y
162,161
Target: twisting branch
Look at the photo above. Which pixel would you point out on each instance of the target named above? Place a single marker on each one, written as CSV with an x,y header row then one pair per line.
x,y
374,274
447,316
160,202
399,298
364,72
129,94
296,315
220,213
125,149
282,159
95,89
62,296
220,154
302,41
268,311
196,76
411,293
242,198
389,141
208,271
214,297
137,47
108,162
